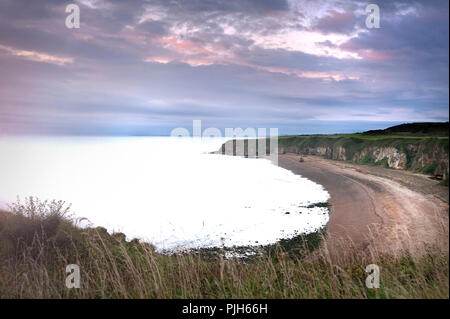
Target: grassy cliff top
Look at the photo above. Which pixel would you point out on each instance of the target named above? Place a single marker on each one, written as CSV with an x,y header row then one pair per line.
x,y
415,129
438,130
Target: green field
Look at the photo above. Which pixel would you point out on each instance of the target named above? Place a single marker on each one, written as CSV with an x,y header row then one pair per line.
x,y
362,136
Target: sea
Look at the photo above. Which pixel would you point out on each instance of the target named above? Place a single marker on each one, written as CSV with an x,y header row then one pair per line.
x,y
169,191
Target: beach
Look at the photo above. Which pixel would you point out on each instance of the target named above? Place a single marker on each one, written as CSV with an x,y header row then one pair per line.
x,y
385,208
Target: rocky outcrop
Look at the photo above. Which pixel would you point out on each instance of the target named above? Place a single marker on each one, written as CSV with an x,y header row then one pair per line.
x,y
391,156
426,155
336,152
429,156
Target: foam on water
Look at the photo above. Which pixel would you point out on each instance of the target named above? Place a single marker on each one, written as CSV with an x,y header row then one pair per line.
x,y
164,190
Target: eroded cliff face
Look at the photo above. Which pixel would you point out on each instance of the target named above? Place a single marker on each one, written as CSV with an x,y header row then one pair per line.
x,y
426,155
390,155
333,152
430,157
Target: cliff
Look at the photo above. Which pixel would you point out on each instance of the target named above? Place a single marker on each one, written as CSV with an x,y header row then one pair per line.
x,y
426,155
420,147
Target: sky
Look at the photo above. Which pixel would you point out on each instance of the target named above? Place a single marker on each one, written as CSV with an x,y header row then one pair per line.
x,y
140,67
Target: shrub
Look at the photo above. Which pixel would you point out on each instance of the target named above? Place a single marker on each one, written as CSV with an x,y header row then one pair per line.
x,y
112,267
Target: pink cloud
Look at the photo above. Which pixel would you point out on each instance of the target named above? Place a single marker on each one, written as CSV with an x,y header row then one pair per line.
x,y
36,56
368,54
335,22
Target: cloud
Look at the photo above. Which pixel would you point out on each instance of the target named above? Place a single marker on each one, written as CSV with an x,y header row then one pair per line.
x,y
336,22
145,66
36,56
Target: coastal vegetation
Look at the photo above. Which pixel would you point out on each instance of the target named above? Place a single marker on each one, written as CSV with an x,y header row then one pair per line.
x,y
418,147
39,239
428,155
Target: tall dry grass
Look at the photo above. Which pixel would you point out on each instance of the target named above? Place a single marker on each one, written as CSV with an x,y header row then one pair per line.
x,y
38,240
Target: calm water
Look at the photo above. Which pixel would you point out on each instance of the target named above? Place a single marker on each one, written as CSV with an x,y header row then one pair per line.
x,y
164,190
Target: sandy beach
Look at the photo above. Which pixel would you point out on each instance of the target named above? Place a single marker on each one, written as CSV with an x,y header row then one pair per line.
x,y
387,209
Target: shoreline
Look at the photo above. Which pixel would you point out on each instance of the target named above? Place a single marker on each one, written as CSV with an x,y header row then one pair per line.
x,y
371,205
386,209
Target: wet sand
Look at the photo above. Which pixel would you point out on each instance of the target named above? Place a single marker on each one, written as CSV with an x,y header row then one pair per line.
x,y
387,209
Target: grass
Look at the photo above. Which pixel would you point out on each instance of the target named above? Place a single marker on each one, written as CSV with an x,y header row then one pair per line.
x,y
372,137
430,169
39,239
422,153
418,147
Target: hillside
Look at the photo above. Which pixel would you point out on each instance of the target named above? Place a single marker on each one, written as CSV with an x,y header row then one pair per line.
x,y
426,155
415,129
404,147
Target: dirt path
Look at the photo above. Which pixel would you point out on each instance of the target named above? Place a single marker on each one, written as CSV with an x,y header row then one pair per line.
x,y
383,208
